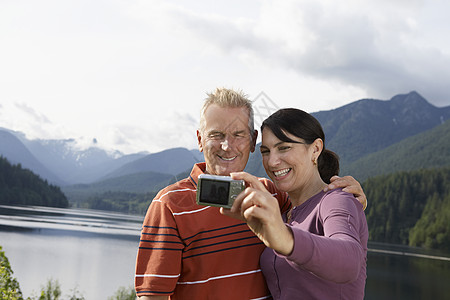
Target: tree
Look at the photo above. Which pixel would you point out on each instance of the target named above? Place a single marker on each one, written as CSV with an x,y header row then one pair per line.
x,y
9,287
124,293
410,208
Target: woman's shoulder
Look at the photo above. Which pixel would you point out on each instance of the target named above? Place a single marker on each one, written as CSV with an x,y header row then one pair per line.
x,y
337,198
337,193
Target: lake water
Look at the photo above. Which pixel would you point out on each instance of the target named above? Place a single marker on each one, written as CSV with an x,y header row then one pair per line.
x,y
91,251
95,253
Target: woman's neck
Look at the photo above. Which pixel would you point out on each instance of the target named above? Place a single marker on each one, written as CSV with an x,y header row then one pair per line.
x,y
313,187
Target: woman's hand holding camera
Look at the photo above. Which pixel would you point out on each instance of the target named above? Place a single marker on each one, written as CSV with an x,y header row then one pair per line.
x,y
262,213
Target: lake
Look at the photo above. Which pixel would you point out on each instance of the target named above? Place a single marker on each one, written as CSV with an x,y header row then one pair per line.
x,y
94,252
91,251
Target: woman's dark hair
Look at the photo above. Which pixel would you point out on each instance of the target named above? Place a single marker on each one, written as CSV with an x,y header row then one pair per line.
x,y
304,126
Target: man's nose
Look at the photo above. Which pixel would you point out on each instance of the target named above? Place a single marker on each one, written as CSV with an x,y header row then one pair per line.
x,y
225,146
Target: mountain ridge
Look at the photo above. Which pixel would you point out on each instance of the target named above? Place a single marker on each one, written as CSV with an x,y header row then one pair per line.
x,y
385,122
406,155
16,153
354,131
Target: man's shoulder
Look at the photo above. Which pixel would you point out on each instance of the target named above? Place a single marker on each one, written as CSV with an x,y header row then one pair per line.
x,y
175,189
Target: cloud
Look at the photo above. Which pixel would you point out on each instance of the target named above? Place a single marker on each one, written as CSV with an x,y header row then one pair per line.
x,y
133,73
171,128
33,115
380,47
375,49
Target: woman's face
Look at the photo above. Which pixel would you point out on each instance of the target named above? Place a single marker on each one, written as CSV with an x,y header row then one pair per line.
x,y
289,165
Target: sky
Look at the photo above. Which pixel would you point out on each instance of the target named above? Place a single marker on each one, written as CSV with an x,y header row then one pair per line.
x,y
131,75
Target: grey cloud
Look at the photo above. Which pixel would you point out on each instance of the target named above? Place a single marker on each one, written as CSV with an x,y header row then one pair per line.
x,y
36,116
378,53
355,51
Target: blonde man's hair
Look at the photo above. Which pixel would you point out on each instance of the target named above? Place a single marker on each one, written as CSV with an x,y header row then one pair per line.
x,y
228,98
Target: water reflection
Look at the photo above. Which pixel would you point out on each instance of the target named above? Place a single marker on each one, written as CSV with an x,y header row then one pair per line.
x,y
95,252
34,217
92,251
392,276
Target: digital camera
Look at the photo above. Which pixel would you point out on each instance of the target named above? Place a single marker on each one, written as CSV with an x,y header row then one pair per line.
x,y
213,190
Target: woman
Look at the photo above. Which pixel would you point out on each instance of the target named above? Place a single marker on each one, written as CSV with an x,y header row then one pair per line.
x,y
318,249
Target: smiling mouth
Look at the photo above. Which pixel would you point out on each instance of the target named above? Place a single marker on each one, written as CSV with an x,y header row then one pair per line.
x,y
281,173
227,158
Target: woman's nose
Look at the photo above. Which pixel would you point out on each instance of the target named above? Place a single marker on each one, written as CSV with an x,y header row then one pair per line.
x,y
273,160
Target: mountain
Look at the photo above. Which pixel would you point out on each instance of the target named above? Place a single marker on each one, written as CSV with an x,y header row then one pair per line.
x,y
355,131
61,161
16,153
140,183
74,165
427,150
371,136
410,208
369,125
20,186
171,161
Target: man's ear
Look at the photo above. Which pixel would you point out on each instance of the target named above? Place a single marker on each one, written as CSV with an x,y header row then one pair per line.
x,y
199,141
253,142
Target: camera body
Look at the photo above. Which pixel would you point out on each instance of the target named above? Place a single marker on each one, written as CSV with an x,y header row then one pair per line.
x,y
214,190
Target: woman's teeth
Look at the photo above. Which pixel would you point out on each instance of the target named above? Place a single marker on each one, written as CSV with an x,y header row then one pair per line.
x,y
281,172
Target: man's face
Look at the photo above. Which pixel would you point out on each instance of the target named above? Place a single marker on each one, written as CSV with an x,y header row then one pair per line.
x,y
226,140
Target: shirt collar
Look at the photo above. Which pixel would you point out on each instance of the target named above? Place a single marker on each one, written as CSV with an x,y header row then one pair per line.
x,y
196,171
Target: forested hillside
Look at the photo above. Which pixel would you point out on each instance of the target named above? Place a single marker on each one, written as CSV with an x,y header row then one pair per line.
x,y
426,150
20,186
138,183
129,203
410,208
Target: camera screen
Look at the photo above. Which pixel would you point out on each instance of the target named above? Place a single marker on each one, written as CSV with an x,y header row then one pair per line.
x,y
215,192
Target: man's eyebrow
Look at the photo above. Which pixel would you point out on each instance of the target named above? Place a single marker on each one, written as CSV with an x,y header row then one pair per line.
x,y
214,131
240,131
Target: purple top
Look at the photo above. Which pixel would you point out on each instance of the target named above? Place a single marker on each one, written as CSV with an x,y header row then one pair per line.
x,y
330,251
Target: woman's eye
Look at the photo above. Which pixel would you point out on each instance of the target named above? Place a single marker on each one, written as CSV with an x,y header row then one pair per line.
x,y
284,148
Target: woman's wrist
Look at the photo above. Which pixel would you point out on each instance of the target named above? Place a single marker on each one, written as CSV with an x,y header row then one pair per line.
x,y
285,244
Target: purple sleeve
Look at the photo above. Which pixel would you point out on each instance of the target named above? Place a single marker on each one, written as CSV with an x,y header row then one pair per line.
x,y
337,256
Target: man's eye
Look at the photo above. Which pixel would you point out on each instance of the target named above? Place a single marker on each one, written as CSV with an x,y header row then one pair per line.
x,y
216,136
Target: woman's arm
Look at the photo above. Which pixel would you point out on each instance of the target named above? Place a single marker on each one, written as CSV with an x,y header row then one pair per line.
x,y
338,255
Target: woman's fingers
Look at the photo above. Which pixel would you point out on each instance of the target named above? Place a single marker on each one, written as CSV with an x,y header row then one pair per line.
x,y
249,179
252,183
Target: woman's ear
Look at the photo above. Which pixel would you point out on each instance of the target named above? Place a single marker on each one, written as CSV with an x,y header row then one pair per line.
x,y
317,148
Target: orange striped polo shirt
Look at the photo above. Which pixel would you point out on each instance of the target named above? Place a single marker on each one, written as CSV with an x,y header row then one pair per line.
x,y
188,251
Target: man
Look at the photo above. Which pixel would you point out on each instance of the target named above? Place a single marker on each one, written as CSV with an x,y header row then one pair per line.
x,y
189,251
